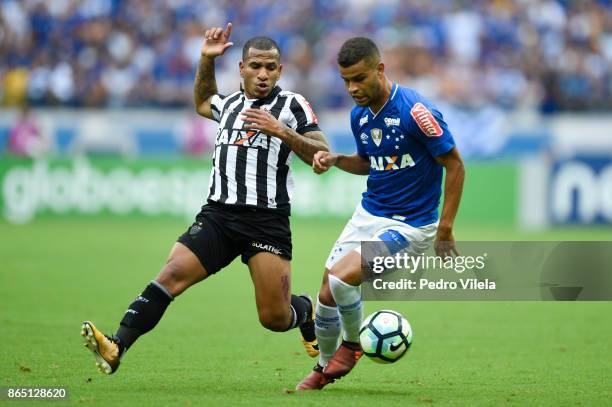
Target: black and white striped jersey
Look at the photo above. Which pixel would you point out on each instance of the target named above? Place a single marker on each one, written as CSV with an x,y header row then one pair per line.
x,y
251,168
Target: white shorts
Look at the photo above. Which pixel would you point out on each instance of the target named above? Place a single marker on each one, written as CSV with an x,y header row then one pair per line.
x,y
364,226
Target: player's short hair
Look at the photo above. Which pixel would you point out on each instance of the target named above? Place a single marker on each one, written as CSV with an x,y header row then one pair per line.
x,y
262,43
357,49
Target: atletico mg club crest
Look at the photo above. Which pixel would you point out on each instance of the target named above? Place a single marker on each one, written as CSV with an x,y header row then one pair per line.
x,y
376,136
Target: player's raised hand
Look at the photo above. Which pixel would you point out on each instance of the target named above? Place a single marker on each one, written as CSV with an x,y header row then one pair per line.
x,y
444,244
323,161
216,41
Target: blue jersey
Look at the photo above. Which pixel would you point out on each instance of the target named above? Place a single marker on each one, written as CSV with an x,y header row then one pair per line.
x,y
401,142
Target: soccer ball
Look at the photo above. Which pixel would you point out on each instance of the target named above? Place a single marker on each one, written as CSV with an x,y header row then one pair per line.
x,y
385,336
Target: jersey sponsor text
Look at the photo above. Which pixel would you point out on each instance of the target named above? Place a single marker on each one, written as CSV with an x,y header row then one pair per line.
x,y
388,163
426,120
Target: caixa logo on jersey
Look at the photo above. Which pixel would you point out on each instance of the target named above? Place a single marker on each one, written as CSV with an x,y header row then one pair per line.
x,y
242,137
388,163
581,190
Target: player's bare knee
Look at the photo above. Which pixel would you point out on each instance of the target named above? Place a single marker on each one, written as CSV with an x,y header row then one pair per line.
x,y
274,320
173,278
347,273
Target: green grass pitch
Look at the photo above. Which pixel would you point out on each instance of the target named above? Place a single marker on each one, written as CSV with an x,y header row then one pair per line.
x,y
210,350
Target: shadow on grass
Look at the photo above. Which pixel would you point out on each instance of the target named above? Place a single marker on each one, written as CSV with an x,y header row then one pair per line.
x,y
368,391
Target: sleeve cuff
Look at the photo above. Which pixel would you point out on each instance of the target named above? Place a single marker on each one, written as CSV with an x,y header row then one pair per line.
x,y
307,128
441,148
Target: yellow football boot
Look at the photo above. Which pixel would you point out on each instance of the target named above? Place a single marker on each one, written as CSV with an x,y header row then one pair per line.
x,y
105,349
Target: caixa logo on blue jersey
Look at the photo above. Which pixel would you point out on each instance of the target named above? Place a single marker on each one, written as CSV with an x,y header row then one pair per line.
x,y
581,190
389,163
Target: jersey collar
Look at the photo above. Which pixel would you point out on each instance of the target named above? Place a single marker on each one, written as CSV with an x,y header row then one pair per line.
x,y
263,101
391,96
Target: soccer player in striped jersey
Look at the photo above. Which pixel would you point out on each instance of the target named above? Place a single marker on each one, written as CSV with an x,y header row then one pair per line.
x,y
247,212
403,146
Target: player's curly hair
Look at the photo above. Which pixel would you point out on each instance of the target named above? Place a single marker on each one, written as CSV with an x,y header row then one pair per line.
x,y
356,49
262,43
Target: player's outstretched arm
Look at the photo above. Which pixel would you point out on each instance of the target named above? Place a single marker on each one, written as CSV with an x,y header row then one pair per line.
x,y
216,42
453,187
354,164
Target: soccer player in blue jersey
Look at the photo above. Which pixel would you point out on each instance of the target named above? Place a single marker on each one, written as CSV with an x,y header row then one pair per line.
x,y
403,145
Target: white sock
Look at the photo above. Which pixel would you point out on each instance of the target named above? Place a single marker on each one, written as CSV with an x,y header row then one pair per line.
x,y
327,329
348,299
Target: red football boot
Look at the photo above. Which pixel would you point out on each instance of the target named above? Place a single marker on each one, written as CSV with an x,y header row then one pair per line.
x,y
343,361
315,380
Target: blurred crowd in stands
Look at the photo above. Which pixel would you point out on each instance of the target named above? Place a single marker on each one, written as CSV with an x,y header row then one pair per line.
x,y
551,55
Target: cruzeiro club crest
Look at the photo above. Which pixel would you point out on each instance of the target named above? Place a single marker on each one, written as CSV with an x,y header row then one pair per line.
x,y
376,136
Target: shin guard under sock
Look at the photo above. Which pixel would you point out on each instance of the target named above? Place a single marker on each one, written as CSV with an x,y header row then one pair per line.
x,y
143,314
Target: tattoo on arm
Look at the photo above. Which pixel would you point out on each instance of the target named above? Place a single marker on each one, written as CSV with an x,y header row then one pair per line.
x,y
286,288
306,145
205,84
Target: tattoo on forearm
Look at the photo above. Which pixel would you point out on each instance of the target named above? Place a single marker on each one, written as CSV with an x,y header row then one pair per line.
x,y
205,83
305,146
